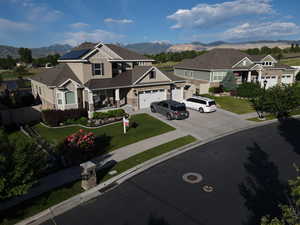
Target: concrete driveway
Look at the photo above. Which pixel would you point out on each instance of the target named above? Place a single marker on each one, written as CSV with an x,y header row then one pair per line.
x,y
206,125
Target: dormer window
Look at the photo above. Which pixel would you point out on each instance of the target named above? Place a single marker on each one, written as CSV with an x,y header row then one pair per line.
x,y
152,74
98,69
267,63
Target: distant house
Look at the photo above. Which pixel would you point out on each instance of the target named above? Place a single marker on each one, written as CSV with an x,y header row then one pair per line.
x,y
101,76
209,69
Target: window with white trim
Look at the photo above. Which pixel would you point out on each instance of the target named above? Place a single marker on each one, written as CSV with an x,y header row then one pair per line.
x,y
70,97
59,98
98,69
219,76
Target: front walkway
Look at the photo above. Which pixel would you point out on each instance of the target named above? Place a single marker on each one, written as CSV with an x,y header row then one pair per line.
x,y
72,174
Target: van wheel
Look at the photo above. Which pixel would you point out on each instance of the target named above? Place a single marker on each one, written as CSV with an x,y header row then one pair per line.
x,y
201,110
152,109
169,117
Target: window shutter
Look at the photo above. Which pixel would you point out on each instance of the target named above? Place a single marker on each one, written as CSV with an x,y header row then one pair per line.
x,y
102,65
93,69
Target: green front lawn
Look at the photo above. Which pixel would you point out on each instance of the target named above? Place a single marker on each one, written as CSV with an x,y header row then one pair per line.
x,y
235,105
46,200
112,135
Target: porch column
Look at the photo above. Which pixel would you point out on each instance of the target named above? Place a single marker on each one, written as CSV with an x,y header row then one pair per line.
x,y
117,97
259,78
91,104
249,76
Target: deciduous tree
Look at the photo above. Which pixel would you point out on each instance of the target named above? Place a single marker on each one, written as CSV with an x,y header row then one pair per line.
x,y
21,162
290,213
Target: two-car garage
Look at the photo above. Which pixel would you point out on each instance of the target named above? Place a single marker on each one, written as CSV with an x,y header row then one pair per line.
x,y
149,96
146,97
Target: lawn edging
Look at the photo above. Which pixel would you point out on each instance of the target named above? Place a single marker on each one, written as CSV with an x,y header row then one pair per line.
x,y
85,196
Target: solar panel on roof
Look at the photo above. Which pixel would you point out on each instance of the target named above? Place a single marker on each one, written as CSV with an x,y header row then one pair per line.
x,y
76,54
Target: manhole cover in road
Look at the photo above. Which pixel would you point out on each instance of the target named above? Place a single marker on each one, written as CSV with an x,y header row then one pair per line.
x,y
208,188
192,178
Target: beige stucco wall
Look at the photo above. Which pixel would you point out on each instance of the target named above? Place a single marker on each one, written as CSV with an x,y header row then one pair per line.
x,y
77,68
47,94
160,77
100,57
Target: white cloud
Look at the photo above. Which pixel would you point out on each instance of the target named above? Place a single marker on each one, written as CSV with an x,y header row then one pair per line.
x,y
75,38
203,15
79,25
263,30
44,14
38,12
8,25
120,21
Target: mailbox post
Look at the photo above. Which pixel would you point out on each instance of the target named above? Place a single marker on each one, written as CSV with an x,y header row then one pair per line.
x,y
88,174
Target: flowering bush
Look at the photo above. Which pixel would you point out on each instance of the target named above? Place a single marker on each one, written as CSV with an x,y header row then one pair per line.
x,y
81,140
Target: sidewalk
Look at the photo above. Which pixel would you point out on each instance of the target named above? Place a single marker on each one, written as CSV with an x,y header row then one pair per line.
x,y
73,173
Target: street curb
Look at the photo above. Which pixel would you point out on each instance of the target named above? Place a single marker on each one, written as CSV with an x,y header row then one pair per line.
x,y
119,179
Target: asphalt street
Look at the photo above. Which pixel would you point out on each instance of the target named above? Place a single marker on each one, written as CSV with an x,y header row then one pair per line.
x,y
247,170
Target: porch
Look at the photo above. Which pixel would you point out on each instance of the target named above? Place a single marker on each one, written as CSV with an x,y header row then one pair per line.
x,y
105,99
248,76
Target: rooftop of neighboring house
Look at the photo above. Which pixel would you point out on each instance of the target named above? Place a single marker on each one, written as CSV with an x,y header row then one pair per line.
x,y
86,48
224,58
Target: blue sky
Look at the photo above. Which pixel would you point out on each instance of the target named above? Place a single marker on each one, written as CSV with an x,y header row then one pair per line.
x,y
35,23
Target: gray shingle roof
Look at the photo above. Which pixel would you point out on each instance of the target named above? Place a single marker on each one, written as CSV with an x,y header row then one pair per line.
x,y
56,76
214,59
122,80
125,79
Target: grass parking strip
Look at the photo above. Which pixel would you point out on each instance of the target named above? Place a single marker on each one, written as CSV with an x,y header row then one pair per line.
x,y
33,206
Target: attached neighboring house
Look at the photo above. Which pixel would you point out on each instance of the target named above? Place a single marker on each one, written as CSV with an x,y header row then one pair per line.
x,y
101,76
209,69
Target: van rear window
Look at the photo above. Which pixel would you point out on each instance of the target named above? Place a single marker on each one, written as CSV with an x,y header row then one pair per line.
x,y
211,103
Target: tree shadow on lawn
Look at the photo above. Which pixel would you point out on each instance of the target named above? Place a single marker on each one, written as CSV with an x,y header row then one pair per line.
x,y
289,129
261,189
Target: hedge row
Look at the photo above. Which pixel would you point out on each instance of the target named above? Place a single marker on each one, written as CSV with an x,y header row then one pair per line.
x,y
109,114
54,117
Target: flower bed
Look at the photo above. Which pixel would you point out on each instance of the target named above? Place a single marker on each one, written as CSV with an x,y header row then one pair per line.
x,y
58,118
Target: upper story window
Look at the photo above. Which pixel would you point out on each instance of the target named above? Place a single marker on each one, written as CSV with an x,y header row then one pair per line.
x,y
40,91
244,63
152,75
267,63
98,69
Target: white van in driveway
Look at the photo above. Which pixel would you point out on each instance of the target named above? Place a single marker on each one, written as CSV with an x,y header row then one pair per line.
x,y
200,104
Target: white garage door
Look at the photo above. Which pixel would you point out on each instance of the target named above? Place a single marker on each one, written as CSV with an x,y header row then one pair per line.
x,y
177,94
271,81
287,79
147,97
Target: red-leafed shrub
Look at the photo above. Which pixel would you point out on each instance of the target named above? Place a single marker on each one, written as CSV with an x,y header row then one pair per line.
x,y
81,140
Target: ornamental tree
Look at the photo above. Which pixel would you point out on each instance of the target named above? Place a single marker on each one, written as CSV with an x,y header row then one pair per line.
x,y
81,140
229,82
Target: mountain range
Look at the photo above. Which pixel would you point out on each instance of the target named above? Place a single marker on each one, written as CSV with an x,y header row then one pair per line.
x,y
153,47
